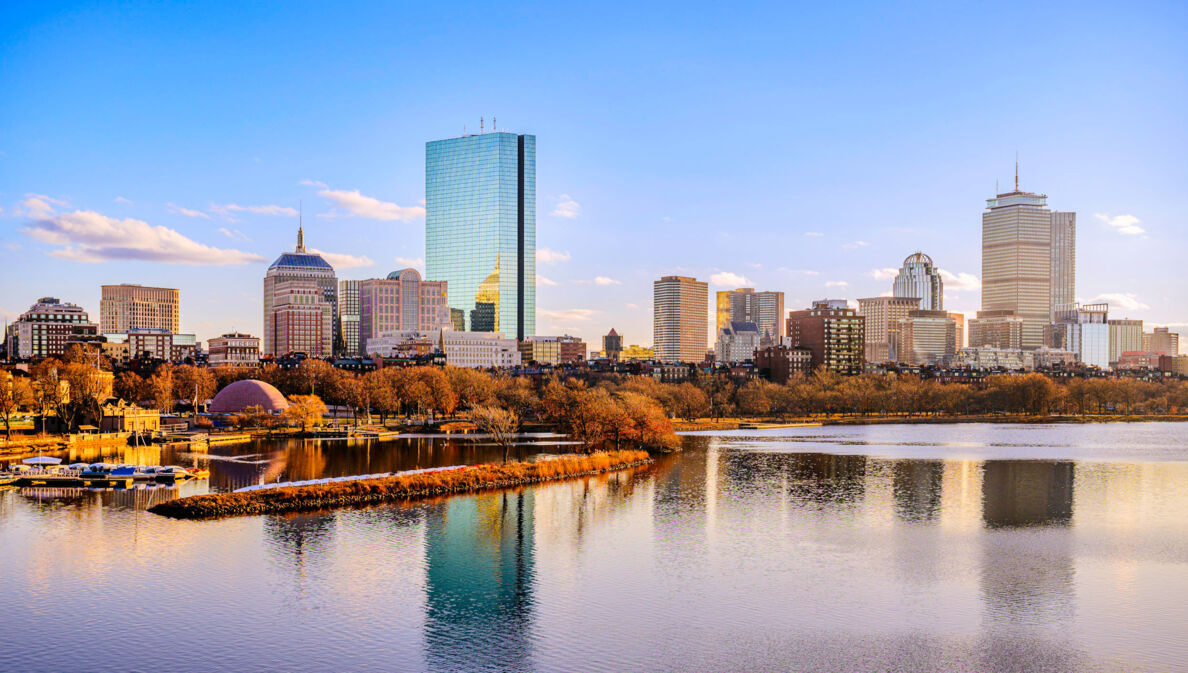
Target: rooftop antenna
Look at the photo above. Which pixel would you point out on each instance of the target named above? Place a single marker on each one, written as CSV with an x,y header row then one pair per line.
x,y
300,227
1016,170
494,125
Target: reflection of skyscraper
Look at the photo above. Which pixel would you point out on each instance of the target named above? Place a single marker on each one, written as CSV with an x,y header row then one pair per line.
x,y
916,485
1026,492
480,228
480,564
827,478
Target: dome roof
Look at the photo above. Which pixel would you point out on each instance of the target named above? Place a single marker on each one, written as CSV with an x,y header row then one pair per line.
x,y
250,393
918,258
302,260
397,275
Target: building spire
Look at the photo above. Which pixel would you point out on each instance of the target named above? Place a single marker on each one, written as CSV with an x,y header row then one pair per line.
x,y
300,229
1016,170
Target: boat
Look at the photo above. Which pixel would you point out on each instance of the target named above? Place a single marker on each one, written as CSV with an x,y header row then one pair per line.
x,y
200,473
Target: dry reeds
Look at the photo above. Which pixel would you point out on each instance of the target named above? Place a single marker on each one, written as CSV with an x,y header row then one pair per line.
x,y
388,489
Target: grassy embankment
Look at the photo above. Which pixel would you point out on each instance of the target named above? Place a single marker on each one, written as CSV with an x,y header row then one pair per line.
x,y
390,489
734,423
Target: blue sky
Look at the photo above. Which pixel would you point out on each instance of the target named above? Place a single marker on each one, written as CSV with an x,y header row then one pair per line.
x,y
799,148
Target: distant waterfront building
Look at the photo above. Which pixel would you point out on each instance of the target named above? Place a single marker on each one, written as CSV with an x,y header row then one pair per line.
x,y
48,328
1085,330
1162,341
764,309
883,316
1064,260
1125,335
612,345
778,363
737,343
833,332
301,320
480,229
402,301
996,329
123,308
679,319
552,350
461,349
959,320
151,343
308,267
636,352
989,357
928,338
348,316
234,349
918,278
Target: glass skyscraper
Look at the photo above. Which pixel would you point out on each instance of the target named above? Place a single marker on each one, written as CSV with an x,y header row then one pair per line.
x,y
480,229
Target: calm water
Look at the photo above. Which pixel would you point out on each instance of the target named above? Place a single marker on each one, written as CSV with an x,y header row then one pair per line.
x,y
889,548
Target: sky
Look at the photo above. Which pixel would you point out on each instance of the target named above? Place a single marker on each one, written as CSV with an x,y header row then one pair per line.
x,y
806,147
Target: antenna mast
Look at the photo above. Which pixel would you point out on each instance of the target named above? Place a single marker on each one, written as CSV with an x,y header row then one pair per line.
x,y
1016,170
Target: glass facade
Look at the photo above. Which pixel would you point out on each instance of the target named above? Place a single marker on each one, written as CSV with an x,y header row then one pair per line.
x,y
480,229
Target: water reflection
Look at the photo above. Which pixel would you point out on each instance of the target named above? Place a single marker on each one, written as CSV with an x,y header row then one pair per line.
x,y
1027,492
916,486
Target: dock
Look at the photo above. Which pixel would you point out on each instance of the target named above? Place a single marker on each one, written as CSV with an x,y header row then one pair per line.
x,y
54,481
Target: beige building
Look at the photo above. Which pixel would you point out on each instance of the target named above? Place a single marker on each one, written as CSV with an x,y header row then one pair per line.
x,y
998,329
883,318
300,319
679,319
765,309
306,267
1162,341
1064,260
123,308
928,338
1125,335
234,349
402,301
959,320
461,349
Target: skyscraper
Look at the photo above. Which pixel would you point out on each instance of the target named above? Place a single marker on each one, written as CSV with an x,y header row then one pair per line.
x,y
348,316
1064,260
1125,335
480,229
834,332
402,301
917,278
883,316
1017,261
300,265
679,319
765,309
123,308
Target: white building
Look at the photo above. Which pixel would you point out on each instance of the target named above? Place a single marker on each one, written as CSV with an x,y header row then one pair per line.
x,y
1086,332
737,342
462,349
918,278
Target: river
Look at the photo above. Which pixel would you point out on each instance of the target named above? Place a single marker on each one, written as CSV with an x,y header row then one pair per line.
x,y
869,548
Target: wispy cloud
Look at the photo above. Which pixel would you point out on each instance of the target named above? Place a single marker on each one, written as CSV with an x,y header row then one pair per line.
x,y
568,315
39,206
813,234
855,245
340,260
313,183
884,274
799,272
1123,224
120,199
603,280
87,236
567,208
350,203
729,279
836,283
960,281
547,256
234,233
1124,300
188,212
541,280
228,210
415,262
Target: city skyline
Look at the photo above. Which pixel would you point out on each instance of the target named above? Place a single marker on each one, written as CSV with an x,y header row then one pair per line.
x,y
621,201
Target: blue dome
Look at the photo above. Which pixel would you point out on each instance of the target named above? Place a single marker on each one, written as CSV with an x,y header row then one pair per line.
x,y
301,260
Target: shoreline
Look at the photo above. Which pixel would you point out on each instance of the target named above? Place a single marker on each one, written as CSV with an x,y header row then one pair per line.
x,y
472,479
726,424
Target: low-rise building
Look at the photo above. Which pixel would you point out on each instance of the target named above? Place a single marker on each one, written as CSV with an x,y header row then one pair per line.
x,y
737,342
1000,329
461,349
636,352
928,338
780,362
552,350
48,328
1138,360
124,416
990,357
1161,340
234,349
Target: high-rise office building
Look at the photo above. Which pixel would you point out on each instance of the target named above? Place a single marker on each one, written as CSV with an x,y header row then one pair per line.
x,y
679,319
612,345
401,302
480,229
300,265
1125,336
123,308
918,278
833,332
883,316
348,317
928,338
301,320
1161,340
764,309
996,329
1085,330
1064,260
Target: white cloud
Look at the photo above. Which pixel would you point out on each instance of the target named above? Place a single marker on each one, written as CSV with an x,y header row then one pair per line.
x,y
814,234
569,314
1123,224
351,203
836,283
416,262
546,256
541,280
340,260
178,210
226,210
86,236
633,306
603,280
120,199
729,279
313,183
884,274
235,234
855,245
960,281
567,208
1124,300
39,205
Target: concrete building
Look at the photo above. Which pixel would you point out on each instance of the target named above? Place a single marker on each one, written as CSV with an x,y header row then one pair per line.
x,y
959,320
309,268
737,342
48,328
461,349
997,329
1160,340
402,301
1138,360
1125,335
1084,330
552,350
480,229
1064,260
637,352
989,357
679,319
348,316
883,316
300,318
612,345
123,308
160,344
234,349
779,363
918,278
928,338
833,332
764,309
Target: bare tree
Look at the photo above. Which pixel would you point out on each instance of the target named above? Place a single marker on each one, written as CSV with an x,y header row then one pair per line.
x,y
502,425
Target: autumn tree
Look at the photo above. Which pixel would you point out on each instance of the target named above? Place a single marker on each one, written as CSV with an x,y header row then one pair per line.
x,y
472,387
160,386
15,393
305,410
196,384
87,390
130,386
502,425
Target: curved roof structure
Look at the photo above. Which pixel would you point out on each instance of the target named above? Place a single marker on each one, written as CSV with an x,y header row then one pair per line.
x,y
250,393
918,258
301,260
399,275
